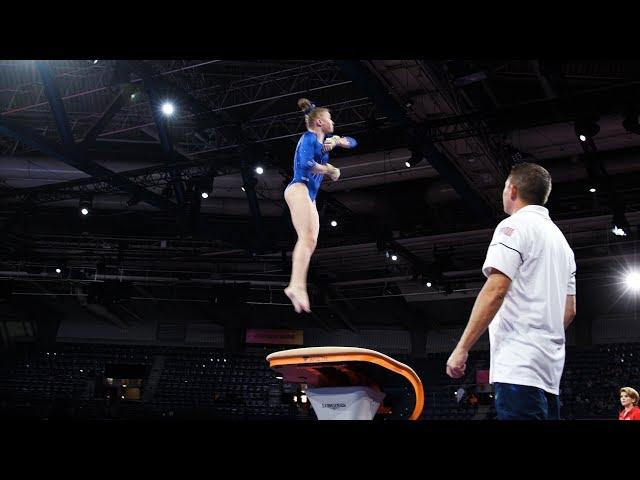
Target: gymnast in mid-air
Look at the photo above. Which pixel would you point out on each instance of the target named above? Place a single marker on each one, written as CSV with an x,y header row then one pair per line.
x,y
310,165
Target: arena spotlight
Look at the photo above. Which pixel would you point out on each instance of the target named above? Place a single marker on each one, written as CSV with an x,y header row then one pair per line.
x,y
85,205
168,109
586,129
632,281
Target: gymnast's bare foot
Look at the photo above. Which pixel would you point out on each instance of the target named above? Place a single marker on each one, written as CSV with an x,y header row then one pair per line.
x,y
298,297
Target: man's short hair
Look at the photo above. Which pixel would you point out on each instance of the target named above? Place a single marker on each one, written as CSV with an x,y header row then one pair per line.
x,y
533,183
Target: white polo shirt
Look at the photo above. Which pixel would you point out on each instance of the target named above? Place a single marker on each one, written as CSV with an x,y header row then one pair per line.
x,y
527,334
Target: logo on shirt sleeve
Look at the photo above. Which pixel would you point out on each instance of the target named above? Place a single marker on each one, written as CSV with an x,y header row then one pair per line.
x,y
508,231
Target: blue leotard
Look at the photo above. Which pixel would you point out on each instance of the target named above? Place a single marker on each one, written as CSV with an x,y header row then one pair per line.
x,y
308,154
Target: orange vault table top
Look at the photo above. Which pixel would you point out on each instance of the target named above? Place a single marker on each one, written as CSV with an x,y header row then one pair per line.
x,y
321,367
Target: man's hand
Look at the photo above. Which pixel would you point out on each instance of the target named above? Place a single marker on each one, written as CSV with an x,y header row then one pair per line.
x,y
457,363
